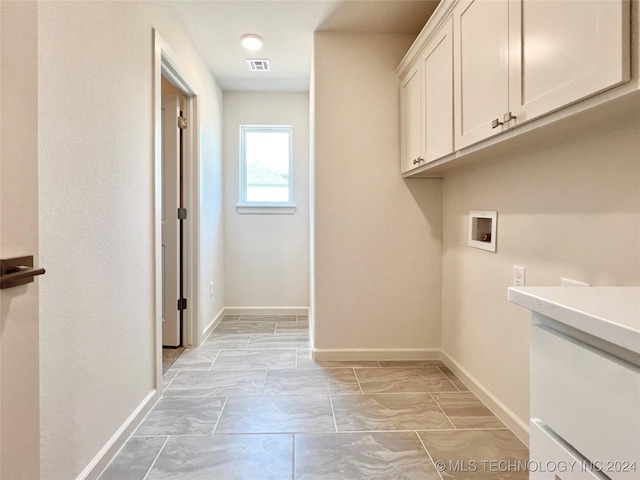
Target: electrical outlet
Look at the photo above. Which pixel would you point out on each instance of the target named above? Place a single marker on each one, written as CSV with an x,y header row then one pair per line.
x,y
519,276
211,289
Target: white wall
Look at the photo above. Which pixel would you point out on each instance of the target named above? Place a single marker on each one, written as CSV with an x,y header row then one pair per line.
x,y
266,256
211,199
19,369
377,237
96,218
570,208
312,200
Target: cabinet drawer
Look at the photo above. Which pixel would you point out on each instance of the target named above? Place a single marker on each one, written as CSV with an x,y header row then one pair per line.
x,y
589,399
550,460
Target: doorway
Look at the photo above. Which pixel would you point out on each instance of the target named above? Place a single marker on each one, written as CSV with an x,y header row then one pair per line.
x,y
173,124
177,196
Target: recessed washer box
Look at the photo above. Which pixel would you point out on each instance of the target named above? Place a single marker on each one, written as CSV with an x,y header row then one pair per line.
x,y
482,230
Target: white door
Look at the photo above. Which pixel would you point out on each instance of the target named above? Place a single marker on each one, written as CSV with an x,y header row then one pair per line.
x,y
561,52
19,322
481,73
170,224
411,119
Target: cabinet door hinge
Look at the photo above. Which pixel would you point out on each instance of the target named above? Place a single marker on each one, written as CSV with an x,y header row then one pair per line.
x,y
182,123
182,214
182,304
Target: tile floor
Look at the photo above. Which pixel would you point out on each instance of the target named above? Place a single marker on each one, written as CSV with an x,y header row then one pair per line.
x,y
250,404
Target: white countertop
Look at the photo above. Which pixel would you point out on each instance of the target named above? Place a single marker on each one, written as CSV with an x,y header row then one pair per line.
x,y
609,313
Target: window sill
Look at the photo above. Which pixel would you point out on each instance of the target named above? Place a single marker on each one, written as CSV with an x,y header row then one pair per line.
x,y
266,209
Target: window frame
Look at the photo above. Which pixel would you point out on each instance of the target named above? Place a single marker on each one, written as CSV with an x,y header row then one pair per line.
x,y
245,206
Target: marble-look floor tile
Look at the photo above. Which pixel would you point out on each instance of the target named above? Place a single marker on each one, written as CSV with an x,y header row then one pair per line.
x,y
199,358
168,377
182,416
455,380
248,359
478,447
380,456
230,318
269,318
278,341
228,341
290,319
306,382
465,410
134,459
388,411
292,328
282,414
225,457
277,393
408,379
240,327
304,360
217,383
411,363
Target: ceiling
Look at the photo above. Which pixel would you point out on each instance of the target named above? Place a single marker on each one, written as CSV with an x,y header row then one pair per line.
x,y
287,26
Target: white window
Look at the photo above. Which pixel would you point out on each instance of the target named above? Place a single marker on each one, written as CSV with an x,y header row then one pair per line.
x,y
266,166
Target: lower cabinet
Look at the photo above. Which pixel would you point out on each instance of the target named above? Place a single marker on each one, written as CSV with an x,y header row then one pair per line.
x,y
585,404
551,459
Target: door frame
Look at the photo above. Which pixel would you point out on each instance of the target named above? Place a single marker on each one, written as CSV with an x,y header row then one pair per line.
x,y
167,63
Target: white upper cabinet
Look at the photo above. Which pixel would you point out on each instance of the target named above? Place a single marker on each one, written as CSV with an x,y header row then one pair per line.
x,y
481,65
437,72
426,102
492,66
516,60
411,119
563,51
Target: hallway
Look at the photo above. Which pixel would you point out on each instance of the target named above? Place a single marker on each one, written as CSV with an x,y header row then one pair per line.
x,y
251,404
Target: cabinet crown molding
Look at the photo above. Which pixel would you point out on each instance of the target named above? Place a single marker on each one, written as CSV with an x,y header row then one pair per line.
x,y
440,14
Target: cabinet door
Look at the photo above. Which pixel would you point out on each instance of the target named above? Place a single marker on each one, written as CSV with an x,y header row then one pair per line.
x,y
569,382
411,119
481,55
547,451
438,94
563,51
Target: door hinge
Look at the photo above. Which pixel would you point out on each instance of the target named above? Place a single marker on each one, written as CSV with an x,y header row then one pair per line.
x,y
182,304
182,123
182,214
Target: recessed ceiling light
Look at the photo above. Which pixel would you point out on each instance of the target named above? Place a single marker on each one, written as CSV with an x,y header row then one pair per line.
x,y
251,41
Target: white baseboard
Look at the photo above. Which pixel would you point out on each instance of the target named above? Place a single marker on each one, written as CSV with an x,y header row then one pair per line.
x,y
213,324
376,354
251,311
508,417
266,310
95,468
505,414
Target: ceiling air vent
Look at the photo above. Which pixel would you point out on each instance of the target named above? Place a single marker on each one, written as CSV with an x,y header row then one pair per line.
x,y
258,65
